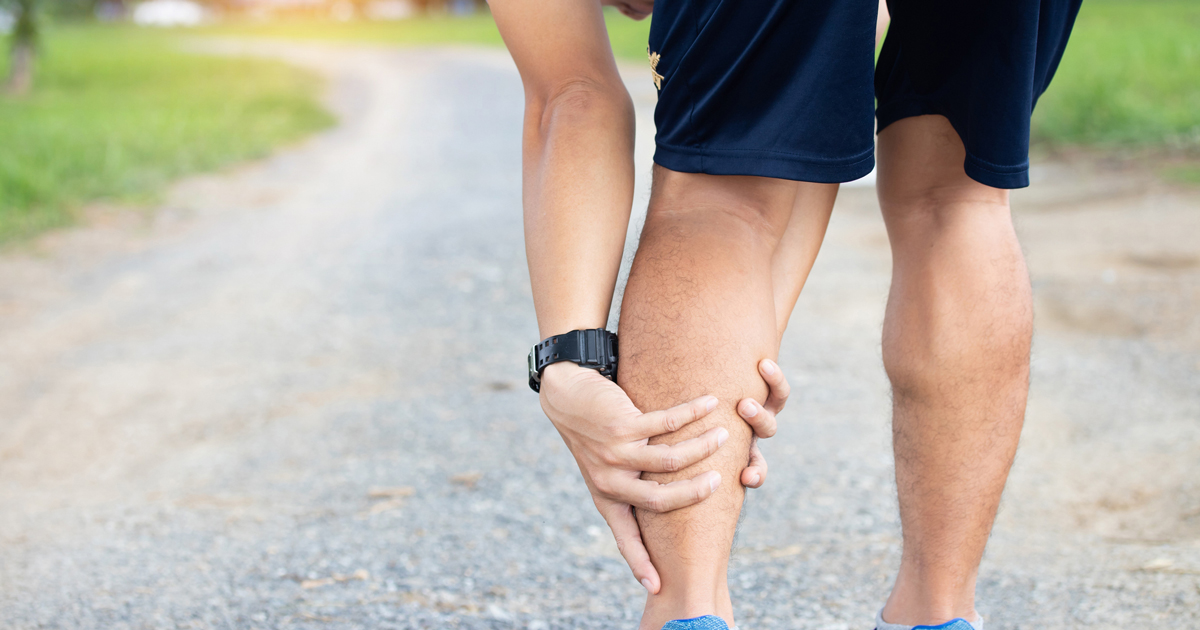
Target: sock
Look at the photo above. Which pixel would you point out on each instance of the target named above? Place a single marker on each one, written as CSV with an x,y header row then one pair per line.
x,y
707,622
953,624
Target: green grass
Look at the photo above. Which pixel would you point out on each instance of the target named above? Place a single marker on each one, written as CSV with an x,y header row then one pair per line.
x,y
1189,174
628,37
476,29
119,112
1130,77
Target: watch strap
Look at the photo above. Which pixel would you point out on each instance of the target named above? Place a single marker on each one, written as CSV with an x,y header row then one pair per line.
x,y
594,348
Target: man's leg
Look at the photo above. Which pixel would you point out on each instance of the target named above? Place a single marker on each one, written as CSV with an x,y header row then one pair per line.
x,y
956,341
797,251
699,313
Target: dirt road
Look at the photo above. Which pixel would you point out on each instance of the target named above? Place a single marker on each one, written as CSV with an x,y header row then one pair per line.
x,y
293,396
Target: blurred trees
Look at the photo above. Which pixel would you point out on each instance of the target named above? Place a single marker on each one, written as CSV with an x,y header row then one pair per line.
x,y
23,48
438,6
425,6
69,9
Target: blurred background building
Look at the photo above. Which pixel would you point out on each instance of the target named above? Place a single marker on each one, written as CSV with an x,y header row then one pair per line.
x,y
197,12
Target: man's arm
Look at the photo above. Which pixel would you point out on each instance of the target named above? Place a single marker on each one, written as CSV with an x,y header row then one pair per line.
x,y
578,193
578,157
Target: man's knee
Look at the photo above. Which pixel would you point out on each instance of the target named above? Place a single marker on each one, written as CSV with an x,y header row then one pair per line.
x,y
928,205
921,175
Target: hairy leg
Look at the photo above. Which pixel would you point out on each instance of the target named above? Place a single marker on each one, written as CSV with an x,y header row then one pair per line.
x,y
956,342
699,313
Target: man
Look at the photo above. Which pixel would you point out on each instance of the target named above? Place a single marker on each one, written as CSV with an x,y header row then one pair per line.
x,y
764,107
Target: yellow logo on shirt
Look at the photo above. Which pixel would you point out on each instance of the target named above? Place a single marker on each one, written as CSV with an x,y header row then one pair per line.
x,y
654,58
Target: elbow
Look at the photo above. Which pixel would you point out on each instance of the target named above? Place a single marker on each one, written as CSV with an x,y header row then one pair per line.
x,y
578,101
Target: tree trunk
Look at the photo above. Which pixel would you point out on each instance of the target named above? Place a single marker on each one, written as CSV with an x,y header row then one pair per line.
x,y
20,71
24,49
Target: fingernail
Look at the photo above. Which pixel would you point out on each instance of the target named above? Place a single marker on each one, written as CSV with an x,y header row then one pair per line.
x,y
649,587
711,404
755,479
749,410
768,367
722,435
714,480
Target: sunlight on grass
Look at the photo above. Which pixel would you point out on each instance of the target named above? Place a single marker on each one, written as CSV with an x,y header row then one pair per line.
x,y
1131,76
119,112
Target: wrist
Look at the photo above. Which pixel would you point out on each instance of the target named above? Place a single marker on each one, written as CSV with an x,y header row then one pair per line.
x,y
556,375
563,377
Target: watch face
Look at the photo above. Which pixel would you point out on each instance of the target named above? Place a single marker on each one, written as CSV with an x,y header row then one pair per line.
x,y
533,373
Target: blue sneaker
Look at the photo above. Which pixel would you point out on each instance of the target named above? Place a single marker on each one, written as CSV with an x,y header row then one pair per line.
x,y
707,622
953,624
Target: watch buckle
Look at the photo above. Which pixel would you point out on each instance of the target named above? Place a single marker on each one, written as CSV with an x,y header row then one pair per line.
x,y
535,379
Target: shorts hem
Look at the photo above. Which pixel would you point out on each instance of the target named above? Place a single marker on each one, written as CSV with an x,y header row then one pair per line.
x,y
765,164
978,169
1010,177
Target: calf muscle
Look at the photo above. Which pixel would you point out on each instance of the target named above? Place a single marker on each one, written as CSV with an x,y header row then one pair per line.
x,y
956,344
698,315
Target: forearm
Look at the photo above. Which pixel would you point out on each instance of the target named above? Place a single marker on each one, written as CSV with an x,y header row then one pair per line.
x,y
578,192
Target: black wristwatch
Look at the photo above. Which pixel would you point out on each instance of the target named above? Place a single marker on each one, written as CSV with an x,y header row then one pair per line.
x,y
595,349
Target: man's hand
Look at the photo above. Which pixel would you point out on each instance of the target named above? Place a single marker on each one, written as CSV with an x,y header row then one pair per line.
x,y
609,438
636,9
762,419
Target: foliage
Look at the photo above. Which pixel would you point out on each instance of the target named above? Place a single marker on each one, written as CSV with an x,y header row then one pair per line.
x,y
69,9
118,113
25,30
1130,76
23,49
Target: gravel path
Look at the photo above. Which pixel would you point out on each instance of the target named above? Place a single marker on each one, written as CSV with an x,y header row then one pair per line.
x,y
293,396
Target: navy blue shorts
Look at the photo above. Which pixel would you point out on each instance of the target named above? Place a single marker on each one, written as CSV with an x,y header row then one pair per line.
x,y
788,88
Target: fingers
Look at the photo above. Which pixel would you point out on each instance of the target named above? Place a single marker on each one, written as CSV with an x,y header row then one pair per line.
x,y
761,417
755,474
633,13
656,497
779,388
758,417
671,420
663,458
625,529
636,10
